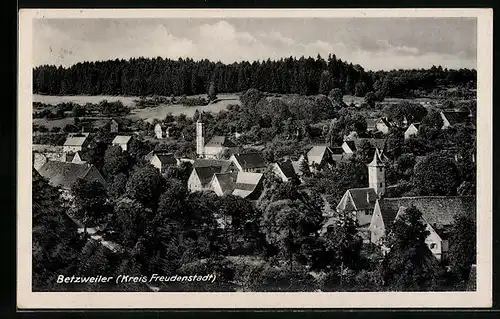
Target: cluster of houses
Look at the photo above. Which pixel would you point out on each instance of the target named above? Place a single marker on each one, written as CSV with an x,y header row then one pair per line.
x,y
222,167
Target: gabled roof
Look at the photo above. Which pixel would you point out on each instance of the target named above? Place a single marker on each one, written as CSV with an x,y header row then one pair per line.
x,y
206,173
316,154
227,181
166,158
220,141
351,145
416,125
64,174
287,168
388,211
121,139
455,117
437,210
224,164
250,160
385,121
358,199
246,183
77,139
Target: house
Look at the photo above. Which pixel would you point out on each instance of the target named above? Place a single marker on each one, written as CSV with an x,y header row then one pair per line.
x,y
201,177
122,141
318,156
383,125
158,131
438,214
162,160
412,130
216,147
249,162
114,126
64,174
284,171
349,147
223,183
451,118
248,185
76,142
360,202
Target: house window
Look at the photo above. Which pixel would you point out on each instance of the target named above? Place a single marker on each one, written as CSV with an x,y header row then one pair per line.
x,y
380,169
381,184
432,245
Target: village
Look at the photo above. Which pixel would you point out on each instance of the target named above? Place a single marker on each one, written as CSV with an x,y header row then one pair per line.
x,y
225,166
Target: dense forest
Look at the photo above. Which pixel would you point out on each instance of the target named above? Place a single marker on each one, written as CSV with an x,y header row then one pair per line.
x,y
307,76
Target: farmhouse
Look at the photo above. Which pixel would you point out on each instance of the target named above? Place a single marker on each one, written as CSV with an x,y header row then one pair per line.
x,y
318,156
201,177
284,171
412,130
451,118
438,214
383,125
223,183
64,175
162,160
249,162
76,142
122,141
248,185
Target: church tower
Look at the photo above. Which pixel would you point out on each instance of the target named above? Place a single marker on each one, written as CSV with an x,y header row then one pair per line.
x,y
200,138
376,174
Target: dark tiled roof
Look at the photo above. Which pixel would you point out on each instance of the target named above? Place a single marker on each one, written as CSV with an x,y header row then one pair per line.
x,y
250,160
63,174
389,210
351,145
166,158
364,198
206,173
227,181
287,168
456,117
437,210
220,141
224,164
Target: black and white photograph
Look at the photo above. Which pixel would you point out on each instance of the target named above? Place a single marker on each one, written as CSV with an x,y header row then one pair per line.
x,y
333,155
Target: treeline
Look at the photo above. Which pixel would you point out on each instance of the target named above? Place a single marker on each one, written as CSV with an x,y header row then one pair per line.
x,y
307,76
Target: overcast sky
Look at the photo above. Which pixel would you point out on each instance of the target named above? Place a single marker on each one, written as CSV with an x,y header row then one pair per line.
x,y
374,43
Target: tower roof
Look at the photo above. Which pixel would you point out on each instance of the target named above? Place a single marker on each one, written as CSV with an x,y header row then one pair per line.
x,y
377,159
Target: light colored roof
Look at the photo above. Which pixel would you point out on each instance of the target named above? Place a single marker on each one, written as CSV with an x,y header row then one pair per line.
x,y
76,139
64,174
121,139
246,183
220,141
316,154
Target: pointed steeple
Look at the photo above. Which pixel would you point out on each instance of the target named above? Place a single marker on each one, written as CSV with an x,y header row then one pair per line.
x,y
377,159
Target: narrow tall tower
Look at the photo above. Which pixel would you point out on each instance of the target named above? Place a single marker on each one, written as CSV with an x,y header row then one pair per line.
x,y
376,174
200,138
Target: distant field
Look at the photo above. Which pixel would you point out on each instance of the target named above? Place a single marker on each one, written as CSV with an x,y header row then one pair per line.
x,y
161,111
53,123
147,114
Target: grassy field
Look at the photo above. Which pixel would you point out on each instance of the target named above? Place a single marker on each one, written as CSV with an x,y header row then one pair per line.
x,y
159,112
54,123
